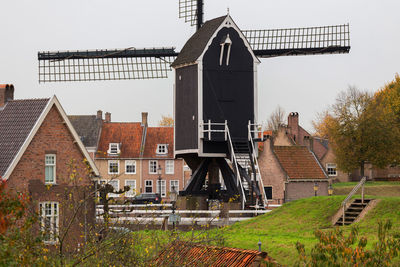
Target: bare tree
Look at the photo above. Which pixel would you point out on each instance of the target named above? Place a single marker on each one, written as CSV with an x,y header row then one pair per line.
x,y
276,119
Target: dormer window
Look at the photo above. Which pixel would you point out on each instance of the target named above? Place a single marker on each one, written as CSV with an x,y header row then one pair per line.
x,y
162,149
225,50
113,149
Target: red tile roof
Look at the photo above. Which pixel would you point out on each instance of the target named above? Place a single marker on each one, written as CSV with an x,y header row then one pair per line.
x,y
192,254
299,162
128,134
159,135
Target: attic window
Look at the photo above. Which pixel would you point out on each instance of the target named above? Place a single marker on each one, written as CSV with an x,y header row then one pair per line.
x,y
162,149
225,50
113,149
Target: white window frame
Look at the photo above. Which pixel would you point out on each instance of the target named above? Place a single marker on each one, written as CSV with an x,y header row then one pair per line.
x,y
163,188
148,186
130,163
169,169
115,189
132,189
113,161
113,149
150,171
176,186
162,149
53,218
53,165
331,166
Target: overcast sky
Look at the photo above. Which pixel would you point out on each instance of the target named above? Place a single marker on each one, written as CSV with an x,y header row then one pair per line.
x,y
305,84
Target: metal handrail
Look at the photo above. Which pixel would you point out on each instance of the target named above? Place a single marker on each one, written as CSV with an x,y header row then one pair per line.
x,y
351,194
257,167
234,161
355,189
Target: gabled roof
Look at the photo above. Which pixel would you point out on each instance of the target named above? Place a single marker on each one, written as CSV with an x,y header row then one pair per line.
x,y
19,122
299,162
195,46
159,135
88,128
128,134
191,254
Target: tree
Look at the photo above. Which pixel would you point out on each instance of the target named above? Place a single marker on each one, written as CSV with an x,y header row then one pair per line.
x,y
346,126
276,119
166,121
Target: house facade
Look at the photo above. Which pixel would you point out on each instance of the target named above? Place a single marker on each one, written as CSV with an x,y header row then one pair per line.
x,y
139,156
43,157
290,172
294,134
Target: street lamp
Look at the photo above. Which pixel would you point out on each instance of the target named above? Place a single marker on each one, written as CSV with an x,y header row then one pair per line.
x,y
315,188
330,190
159,180
173,197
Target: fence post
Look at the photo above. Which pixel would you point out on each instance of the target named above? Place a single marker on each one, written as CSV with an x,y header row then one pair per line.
x,y
362,194
226,130
209,130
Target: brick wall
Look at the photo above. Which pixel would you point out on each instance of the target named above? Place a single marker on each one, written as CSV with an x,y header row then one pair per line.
x,y
296,190
52,137
272,173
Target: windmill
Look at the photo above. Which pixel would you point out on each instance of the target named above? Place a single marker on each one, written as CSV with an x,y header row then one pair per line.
x,y
215,95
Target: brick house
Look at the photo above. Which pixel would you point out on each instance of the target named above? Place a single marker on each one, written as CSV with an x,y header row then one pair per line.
x,y
290,172
136,155
294,134
42,155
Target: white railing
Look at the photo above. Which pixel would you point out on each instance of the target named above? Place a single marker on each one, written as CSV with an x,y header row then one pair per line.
x,y
257,175
227,137
351,194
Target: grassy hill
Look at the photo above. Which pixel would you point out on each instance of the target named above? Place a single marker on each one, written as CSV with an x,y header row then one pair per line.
x,y
297,221
385,189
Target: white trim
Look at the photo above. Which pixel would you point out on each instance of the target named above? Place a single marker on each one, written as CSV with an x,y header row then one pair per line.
x,y
134,190
165,149
156,166
327,171
173,166
170,185
199,106
133,162
217,155
229,23
115,189
186,151
54,165
145,186
174,114
43,115
108,166
53,218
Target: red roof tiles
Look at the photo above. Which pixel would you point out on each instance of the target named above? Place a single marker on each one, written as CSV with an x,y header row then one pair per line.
x,y
159,135
128,134
299,162
192,254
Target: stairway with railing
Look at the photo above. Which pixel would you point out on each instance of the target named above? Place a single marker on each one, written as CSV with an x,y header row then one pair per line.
x,y
242,155
350,212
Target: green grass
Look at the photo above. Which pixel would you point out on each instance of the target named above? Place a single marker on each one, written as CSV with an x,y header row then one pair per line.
x,y
384,189
298,220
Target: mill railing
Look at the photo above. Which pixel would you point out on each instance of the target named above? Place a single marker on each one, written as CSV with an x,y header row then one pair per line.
x,y
228,138
351,194
257,173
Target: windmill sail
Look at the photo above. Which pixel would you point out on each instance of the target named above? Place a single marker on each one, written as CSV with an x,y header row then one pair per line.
x,y
191,11
96,65
299,41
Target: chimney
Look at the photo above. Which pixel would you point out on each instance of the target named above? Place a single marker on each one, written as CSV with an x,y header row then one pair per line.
x,y
99,115
269,143
107,117
309,142
6,94
144,118
293,126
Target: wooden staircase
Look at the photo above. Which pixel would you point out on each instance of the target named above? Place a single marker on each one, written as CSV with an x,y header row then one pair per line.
x,y
353,211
